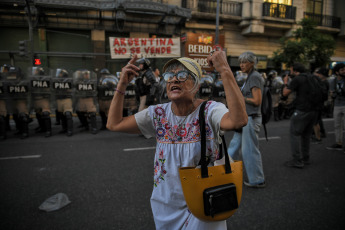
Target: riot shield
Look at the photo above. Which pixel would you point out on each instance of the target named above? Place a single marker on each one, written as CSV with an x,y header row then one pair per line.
x,y
15,89
106,86
85,83
164,95
2,87
206,87
40,82
218,91
130,105
17,86
62,84
241,78
277,84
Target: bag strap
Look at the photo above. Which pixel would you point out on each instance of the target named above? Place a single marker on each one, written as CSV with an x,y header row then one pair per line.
x,y
203,162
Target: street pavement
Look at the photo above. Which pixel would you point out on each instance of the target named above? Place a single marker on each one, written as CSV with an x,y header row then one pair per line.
x,y
108,179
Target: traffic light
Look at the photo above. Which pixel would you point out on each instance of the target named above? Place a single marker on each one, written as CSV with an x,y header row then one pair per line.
x,y
36,60
23,48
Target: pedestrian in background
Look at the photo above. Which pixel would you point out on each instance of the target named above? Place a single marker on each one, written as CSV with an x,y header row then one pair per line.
x,y
337,91
319,129
247,140
303,118
175,125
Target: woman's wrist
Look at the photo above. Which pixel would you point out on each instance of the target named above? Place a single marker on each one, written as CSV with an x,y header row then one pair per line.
x,y
119,91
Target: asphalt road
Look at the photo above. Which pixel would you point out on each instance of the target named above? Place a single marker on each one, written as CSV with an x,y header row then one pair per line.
x,y
108,179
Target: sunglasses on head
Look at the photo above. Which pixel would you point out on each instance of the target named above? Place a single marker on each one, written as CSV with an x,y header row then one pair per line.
x,y
180,75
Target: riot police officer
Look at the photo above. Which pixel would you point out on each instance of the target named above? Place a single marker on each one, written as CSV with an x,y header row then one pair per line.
x,y
85,82
106,87
206,86
40,88
3,109
275,83
147,86
62,85
17,94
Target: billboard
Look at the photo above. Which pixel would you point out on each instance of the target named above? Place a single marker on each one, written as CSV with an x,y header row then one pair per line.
x,y
198,46
122,48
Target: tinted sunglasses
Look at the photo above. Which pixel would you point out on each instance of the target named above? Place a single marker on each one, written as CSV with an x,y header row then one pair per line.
x,y
181,76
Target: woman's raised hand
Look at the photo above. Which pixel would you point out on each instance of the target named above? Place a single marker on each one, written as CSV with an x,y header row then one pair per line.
x,y
218,60
129,71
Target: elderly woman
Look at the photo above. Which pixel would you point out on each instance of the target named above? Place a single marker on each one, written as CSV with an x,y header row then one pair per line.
x,y
248,139
175,125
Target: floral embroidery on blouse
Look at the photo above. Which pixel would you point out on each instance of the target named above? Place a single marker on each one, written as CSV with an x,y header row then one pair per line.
x,y
159,169
186,133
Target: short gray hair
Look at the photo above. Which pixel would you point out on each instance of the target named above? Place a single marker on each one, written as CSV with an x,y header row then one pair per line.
x,y
248,57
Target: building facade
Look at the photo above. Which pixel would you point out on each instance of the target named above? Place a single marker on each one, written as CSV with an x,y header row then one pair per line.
x,y
75,34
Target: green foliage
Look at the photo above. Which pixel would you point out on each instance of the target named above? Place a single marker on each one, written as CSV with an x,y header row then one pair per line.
x,y
307,45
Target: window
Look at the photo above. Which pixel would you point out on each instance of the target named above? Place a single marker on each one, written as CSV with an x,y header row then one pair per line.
x,y
284,2
314,6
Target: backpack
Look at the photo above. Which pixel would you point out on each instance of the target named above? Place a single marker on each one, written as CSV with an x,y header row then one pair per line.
x,y
266,108
318,93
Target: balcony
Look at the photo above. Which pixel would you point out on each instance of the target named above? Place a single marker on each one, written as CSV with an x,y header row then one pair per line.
x,y
225,7
324,20
280,11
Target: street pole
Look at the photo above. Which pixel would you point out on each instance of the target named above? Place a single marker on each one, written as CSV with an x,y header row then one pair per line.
x,y
217,25
31,37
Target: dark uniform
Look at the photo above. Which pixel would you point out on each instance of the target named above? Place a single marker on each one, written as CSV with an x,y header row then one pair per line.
x,y
147,86
62,85
107,84
40,89
275,83
218,90
3,109
85,83
206,87
17,94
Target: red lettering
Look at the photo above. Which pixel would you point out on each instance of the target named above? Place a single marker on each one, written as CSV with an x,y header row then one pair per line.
x,y
123,41
170,42
143,42
152,50
162,41
158,50
130,41
136,41
169,49
135,50
147,49
120,50
116,42
151,41
163,50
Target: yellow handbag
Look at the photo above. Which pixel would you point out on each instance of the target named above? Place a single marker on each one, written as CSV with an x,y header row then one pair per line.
x,y
212,193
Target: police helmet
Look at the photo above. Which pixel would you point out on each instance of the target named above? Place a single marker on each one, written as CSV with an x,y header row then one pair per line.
x,y
104,71
81,75
5,68
206,79
61,73
37,71
109,82
241,77
272,73
145,62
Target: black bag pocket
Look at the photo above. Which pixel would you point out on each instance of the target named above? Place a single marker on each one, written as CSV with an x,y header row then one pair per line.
x,y
220,199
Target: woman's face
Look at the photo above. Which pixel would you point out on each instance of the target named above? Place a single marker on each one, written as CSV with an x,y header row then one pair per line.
x,y
246,66
177,90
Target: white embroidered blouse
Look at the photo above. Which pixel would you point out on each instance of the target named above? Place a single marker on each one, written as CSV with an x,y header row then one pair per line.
x,y
178,145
